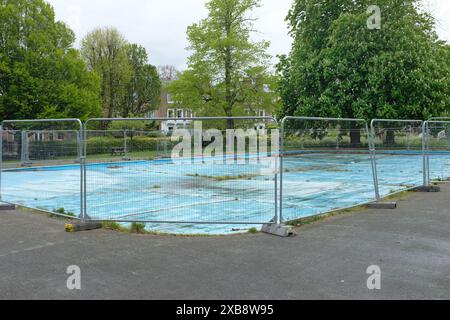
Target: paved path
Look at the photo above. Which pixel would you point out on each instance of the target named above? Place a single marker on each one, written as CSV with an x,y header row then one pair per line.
x,y
327,260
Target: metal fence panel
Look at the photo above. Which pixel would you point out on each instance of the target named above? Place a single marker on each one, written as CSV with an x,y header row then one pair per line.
x,y
437,147
40,165
193,178
399,154
325,165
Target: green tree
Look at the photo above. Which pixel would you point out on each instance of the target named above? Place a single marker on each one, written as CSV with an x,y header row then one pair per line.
x,y
339,67
41,75
129,84
143,90
227,71
105,51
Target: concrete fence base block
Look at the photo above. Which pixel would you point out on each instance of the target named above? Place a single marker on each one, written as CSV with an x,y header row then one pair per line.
x,y
82,226
428,189
382,205
280,230
6,206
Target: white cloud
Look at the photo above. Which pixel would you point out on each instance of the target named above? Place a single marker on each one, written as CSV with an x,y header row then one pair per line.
x,y
160,25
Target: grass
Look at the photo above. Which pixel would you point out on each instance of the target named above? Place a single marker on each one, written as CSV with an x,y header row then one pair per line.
x,y
253,230
137,227
61,211
114,226
56,215
321,217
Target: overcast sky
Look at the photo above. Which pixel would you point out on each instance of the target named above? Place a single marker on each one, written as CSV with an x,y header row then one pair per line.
x,y
160,25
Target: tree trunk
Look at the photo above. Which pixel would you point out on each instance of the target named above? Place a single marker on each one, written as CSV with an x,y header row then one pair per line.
x,y
229,99
355,139
230,124
355,136
390,138
228,95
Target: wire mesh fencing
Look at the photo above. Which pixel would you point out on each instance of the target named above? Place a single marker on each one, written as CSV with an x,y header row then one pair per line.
x,y
41,167
325,165
199,177
437,145
399,154
27,148
215,175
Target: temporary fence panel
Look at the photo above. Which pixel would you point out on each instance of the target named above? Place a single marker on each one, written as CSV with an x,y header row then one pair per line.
x,y
41,165
189,175
437,150
326,165
399,154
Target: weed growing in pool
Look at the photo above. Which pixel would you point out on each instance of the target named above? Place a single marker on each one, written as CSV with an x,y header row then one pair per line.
x,y
226,177
316,168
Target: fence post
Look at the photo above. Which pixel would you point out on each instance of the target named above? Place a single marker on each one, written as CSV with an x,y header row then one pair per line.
x,y
425,154
281,167
165,145
125,145
277,218
371,136
1,159
25,155
81,159
83,169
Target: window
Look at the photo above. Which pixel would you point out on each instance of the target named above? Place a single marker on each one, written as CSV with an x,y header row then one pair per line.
x,y
180,113
169,99
261,113
170,113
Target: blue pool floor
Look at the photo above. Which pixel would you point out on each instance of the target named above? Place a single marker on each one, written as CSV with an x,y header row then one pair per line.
x,y
201,192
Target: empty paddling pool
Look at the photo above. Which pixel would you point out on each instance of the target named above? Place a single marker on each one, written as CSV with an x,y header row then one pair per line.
x,y
202,192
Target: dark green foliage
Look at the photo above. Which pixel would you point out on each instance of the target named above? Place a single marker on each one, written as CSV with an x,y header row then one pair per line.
x,y
41,75
340,68
101,145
